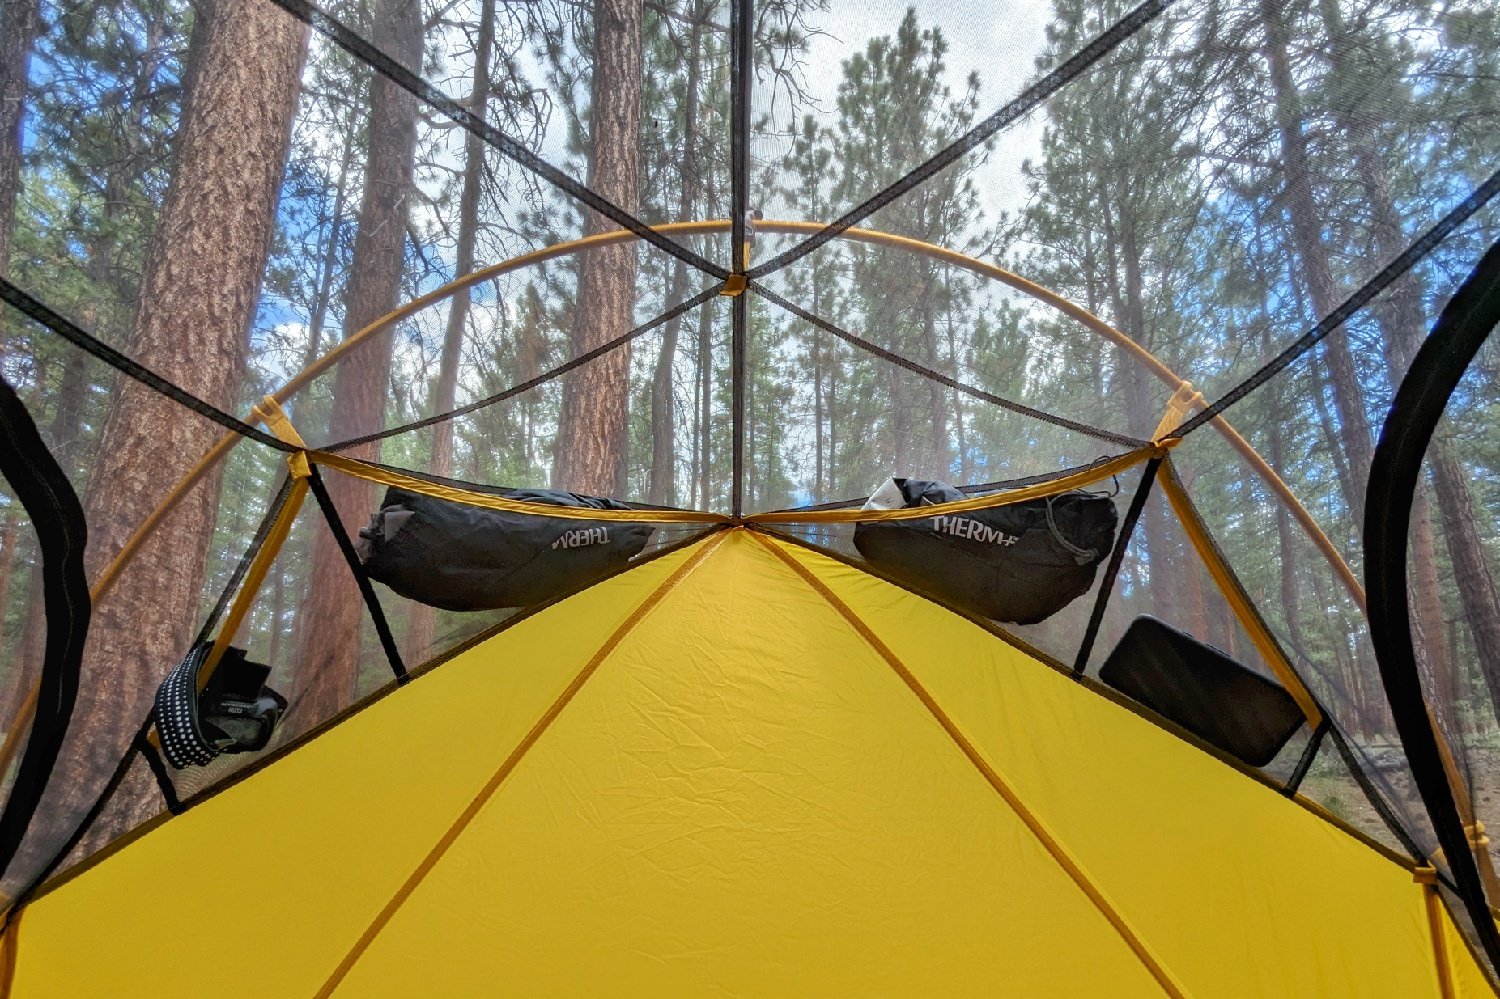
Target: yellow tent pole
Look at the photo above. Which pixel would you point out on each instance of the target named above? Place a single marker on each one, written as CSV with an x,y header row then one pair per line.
x,y
21,723
1426,879
705,227
1474,831
111,572
250,588
1238,600
1149,360
303,378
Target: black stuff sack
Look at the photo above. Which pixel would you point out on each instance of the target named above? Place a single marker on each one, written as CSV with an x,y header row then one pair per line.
x,y
1022,562
466,558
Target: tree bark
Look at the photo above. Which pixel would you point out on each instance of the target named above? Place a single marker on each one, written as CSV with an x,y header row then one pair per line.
x,y
328,259
422,620
197,300
1471,572
1302,209
20,20
1403,322
326,674
937,408
1122,254
663,484
591,433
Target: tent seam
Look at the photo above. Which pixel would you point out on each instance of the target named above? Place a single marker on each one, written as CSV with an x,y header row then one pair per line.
x,y
508,766
1034,825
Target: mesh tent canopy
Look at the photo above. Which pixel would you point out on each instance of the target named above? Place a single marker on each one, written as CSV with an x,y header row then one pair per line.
x,y
726,268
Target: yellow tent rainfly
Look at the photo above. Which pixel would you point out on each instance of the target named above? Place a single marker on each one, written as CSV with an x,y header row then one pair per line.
x,y
866,498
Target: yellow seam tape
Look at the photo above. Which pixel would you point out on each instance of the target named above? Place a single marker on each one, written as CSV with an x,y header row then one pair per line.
x,y
1034,825
459,824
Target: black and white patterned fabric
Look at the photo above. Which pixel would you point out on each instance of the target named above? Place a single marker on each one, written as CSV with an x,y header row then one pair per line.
x,y
182,741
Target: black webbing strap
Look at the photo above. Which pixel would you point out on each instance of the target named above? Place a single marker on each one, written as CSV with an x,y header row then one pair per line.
x,y
1305,761
541,379
942,379
205,634
37,311
366,590
1356,764
163,779
1409,258
741,61
1023,104
43,490
1116,559
1467,321
740,320
512,149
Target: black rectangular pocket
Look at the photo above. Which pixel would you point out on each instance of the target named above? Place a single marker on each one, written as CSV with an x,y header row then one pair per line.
x,y
1203,690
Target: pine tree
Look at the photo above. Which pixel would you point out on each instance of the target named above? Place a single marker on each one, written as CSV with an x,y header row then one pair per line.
x,y
332,612
198,297
589,453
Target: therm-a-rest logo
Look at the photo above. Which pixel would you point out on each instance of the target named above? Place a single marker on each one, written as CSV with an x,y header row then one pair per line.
x,y
966,527
582,538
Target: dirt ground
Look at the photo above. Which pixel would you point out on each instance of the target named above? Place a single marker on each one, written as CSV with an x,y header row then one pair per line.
x,y
1329,784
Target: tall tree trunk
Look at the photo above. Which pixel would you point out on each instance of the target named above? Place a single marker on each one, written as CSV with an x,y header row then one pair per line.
x,y
278,611
816,357
326,674
705,407
420,624
328,259
937,408
1471,572
591,432
1123,256
20,20
663,484
1403,323
1288,561
197,300
832,392
1302,209
662,487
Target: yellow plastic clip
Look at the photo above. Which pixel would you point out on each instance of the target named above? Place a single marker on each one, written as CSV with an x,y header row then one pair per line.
x,y
274,417
1424,875
297,466
1183,400
734,285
